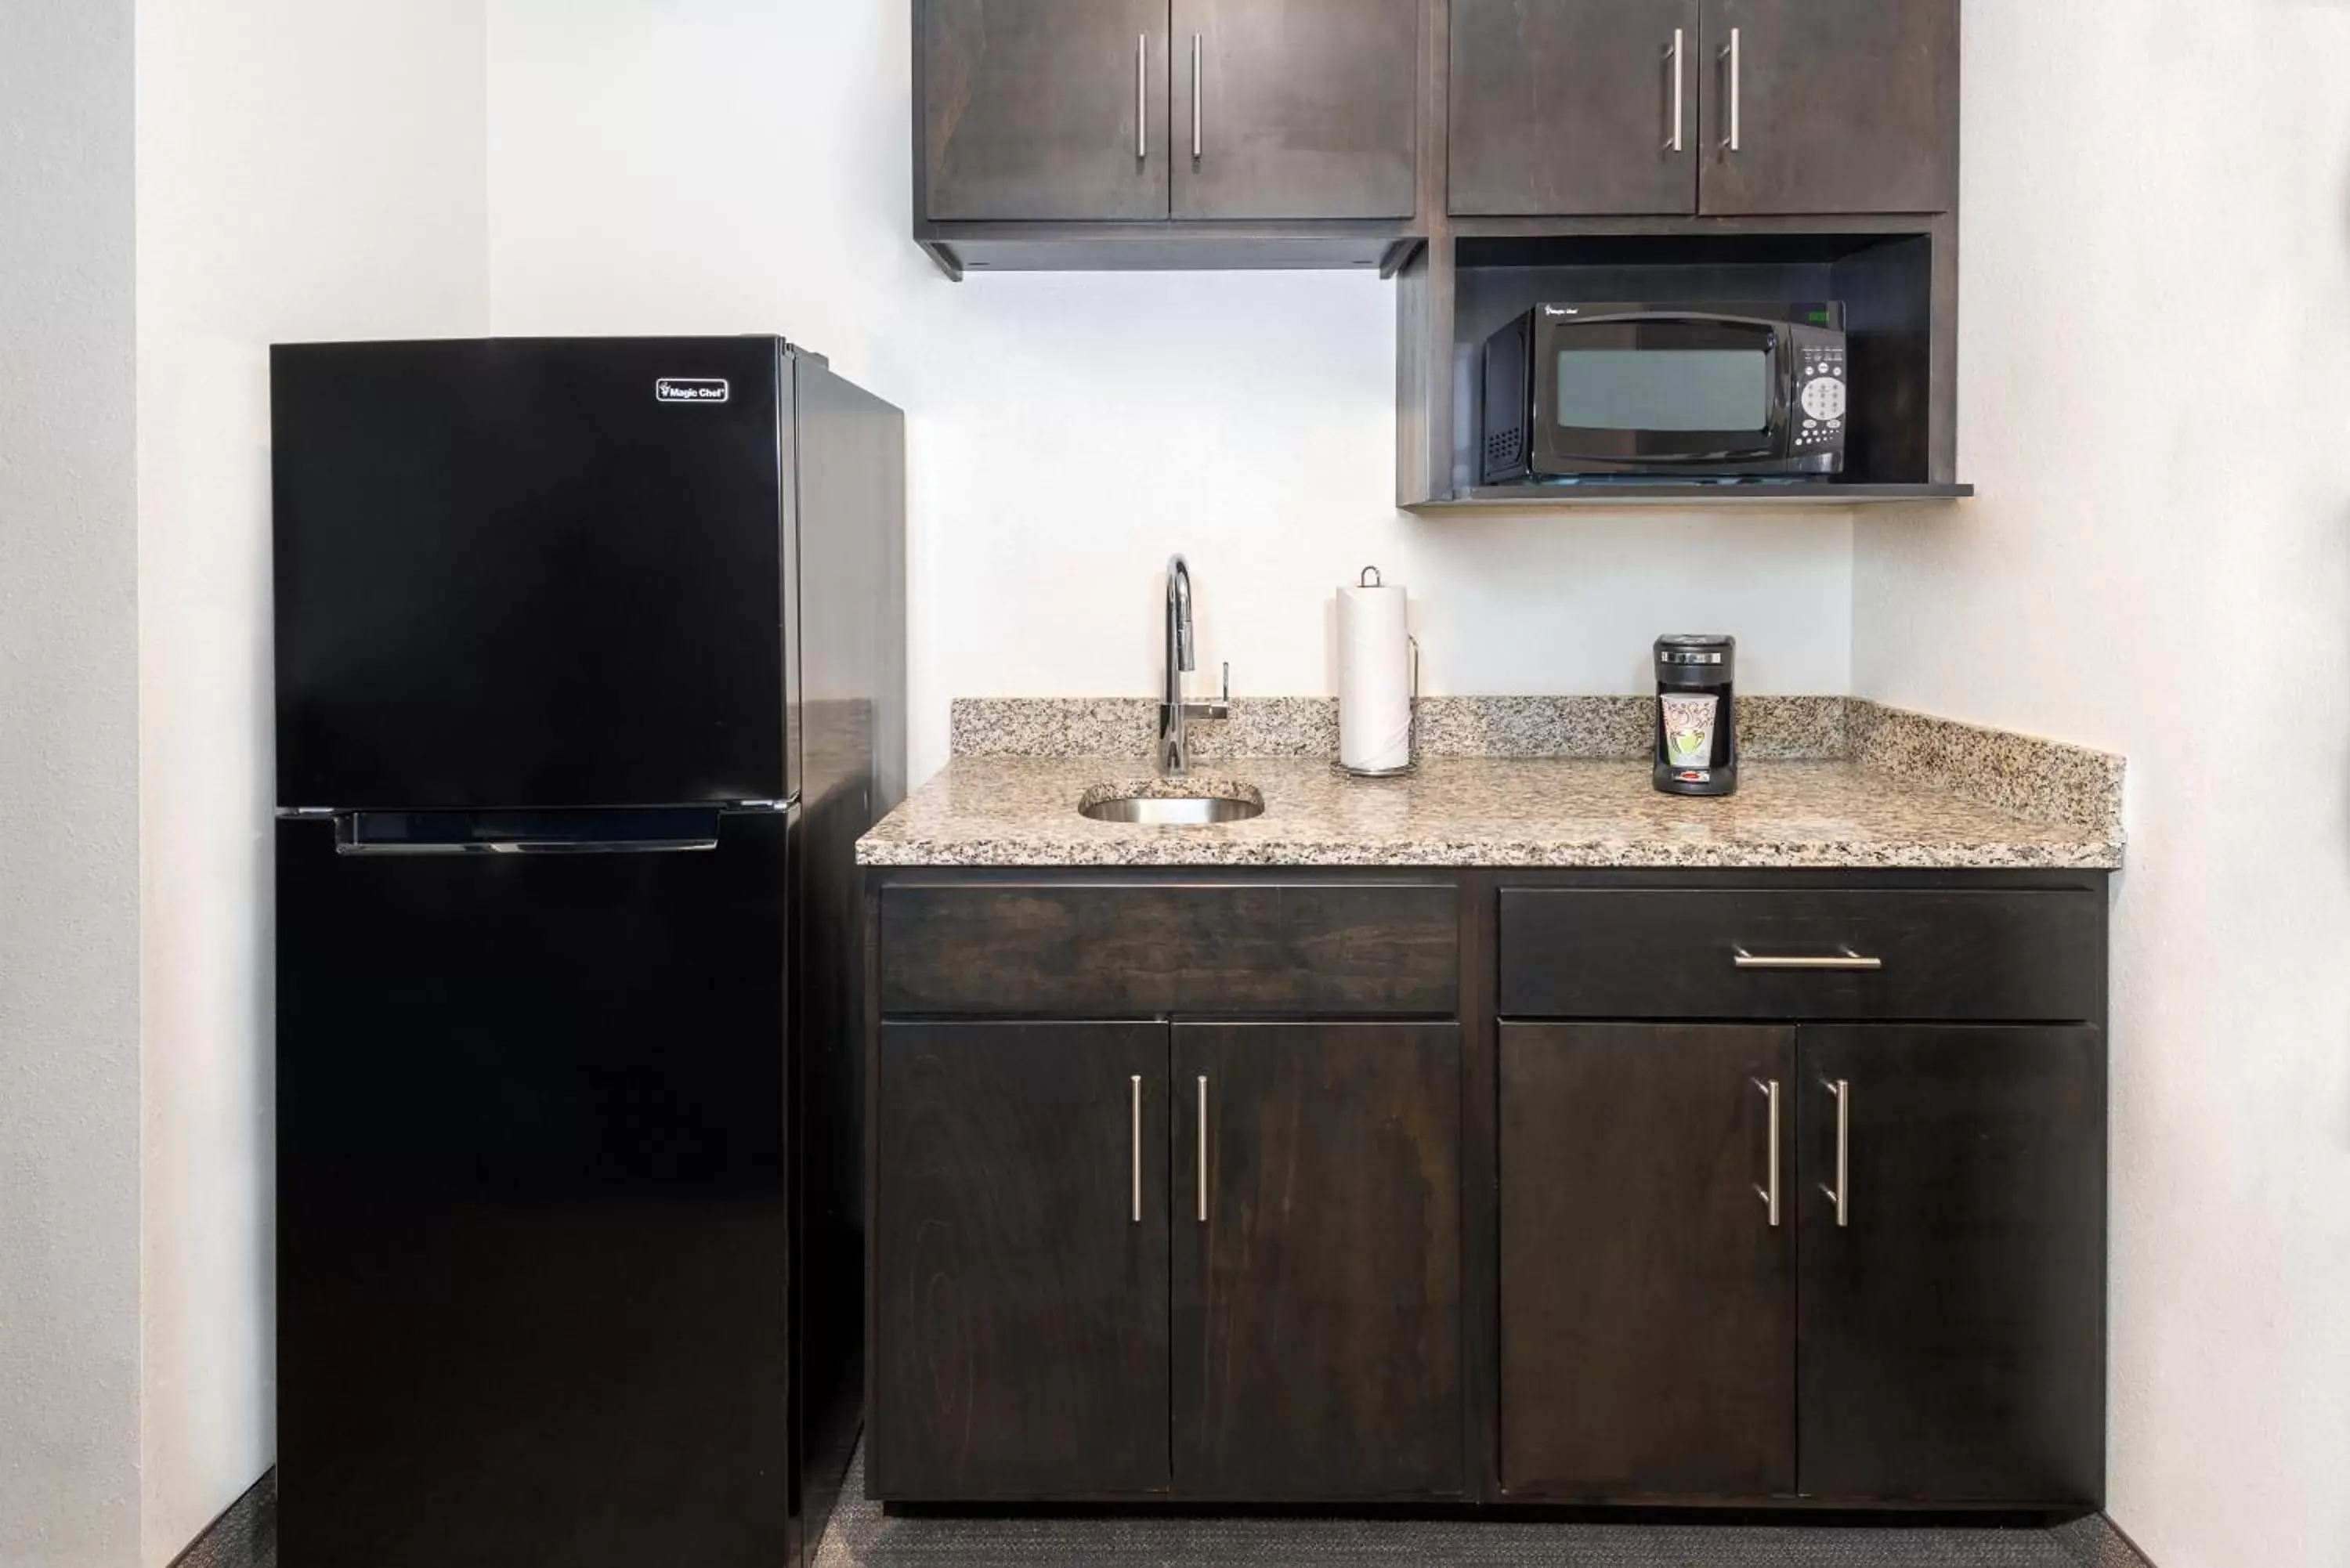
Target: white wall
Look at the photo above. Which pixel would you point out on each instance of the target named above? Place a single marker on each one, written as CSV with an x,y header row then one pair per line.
x,y
2155,343
68,800
306,169
741,165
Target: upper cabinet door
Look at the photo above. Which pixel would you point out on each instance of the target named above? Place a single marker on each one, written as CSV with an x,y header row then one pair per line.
x,y
1830,106
1037,109
1575,107
1296,109
1951,1280
1317,1261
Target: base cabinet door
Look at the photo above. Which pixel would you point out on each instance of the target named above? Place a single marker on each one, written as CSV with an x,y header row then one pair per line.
x,y
1020,1265
1648,1261
1317,1261
1951,1333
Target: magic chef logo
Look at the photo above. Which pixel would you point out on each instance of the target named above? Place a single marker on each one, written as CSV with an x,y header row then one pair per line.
x,y
679,389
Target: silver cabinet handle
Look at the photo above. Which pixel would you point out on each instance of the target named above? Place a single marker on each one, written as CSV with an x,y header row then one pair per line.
x,y
1203,1149
1845,959
1842,1192
1142,98
1730,54
1196,143
1138,1148
1769,1192
1678,35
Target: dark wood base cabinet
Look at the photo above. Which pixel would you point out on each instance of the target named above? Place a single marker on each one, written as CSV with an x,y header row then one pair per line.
x,y
1950,1298
1317,1261
1487,1219
1020,1293
1894,1294
1058,1199
1647,1302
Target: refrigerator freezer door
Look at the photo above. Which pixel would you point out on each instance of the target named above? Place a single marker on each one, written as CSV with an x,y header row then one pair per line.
x,y
533,1206
530,572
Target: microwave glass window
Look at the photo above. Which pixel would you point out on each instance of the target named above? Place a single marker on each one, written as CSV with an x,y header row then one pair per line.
x,y
1664,389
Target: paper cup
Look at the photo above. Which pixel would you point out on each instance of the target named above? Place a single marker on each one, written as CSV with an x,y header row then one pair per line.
x,y
1689,730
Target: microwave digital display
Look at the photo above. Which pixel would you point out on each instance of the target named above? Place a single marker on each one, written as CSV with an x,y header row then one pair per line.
x,y
1670,390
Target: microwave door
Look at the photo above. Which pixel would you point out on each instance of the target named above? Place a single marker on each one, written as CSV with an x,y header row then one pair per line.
x,y
1659,391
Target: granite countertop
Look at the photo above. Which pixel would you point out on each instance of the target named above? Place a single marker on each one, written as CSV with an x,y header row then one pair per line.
x,y
988,810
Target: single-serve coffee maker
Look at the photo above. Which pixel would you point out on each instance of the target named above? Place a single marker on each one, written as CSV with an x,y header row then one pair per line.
x,y
1697,720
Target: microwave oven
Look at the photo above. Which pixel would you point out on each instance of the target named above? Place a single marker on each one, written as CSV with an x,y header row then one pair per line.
x,y
1575,391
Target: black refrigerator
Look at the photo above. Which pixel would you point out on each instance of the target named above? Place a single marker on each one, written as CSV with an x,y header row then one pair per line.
x,y
589,672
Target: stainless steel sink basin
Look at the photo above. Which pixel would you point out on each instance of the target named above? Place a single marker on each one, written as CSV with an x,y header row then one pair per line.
x,y
1171,810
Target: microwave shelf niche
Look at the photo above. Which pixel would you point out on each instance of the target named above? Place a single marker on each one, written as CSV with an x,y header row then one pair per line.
x,y
1892,281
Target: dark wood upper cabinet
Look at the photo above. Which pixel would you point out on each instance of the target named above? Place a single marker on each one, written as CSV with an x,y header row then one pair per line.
x,y
1019,1311
1043,109
1295,109
1837,106
1317,1306
1586,107
1951,1328
1648,1305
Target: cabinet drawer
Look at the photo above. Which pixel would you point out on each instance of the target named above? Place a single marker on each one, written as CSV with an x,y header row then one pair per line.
x,y
1071,949
1965,954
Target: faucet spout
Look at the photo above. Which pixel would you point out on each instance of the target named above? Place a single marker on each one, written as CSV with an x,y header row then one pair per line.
x,y
1174,735
1179,611
1174,742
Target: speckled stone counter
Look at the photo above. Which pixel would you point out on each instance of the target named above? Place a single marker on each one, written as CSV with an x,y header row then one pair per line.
x,y
1468,811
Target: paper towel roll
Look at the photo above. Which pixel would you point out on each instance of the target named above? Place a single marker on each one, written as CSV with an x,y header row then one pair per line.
x,y
1374,680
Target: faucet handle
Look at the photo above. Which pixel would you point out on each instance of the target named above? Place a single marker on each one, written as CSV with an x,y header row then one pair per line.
x,y
1221,708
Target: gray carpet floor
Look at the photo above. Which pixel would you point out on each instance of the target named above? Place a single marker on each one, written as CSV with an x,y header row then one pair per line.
x,y
862,1536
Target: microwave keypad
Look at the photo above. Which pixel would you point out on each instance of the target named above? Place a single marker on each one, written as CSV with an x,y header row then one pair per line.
x,y
1822,400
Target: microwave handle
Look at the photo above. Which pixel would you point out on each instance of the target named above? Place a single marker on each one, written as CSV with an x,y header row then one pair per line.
x,y
1775,327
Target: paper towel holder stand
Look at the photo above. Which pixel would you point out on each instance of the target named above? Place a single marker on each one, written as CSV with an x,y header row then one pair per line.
x,y
1370,579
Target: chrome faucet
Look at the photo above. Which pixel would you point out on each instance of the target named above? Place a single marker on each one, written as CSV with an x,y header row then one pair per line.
x,y
1174,743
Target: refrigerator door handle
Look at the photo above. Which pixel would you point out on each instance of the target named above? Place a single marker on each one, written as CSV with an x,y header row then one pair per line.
x,y
546,847
670,830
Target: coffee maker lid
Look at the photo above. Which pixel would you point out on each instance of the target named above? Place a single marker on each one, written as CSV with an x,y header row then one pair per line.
x,y
1700,647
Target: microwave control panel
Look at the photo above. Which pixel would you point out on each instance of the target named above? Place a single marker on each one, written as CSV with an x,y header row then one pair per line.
x,y
1822,398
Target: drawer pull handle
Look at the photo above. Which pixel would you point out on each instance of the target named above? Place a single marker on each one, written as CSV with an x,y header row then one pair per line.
x,y
1842,1192
1770,1193
1203,1149
1138,1148
1845,959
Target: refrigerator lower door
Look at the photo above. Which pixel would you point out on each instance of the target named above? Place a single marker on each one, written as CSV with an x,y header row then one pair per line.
x,y
533,1200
